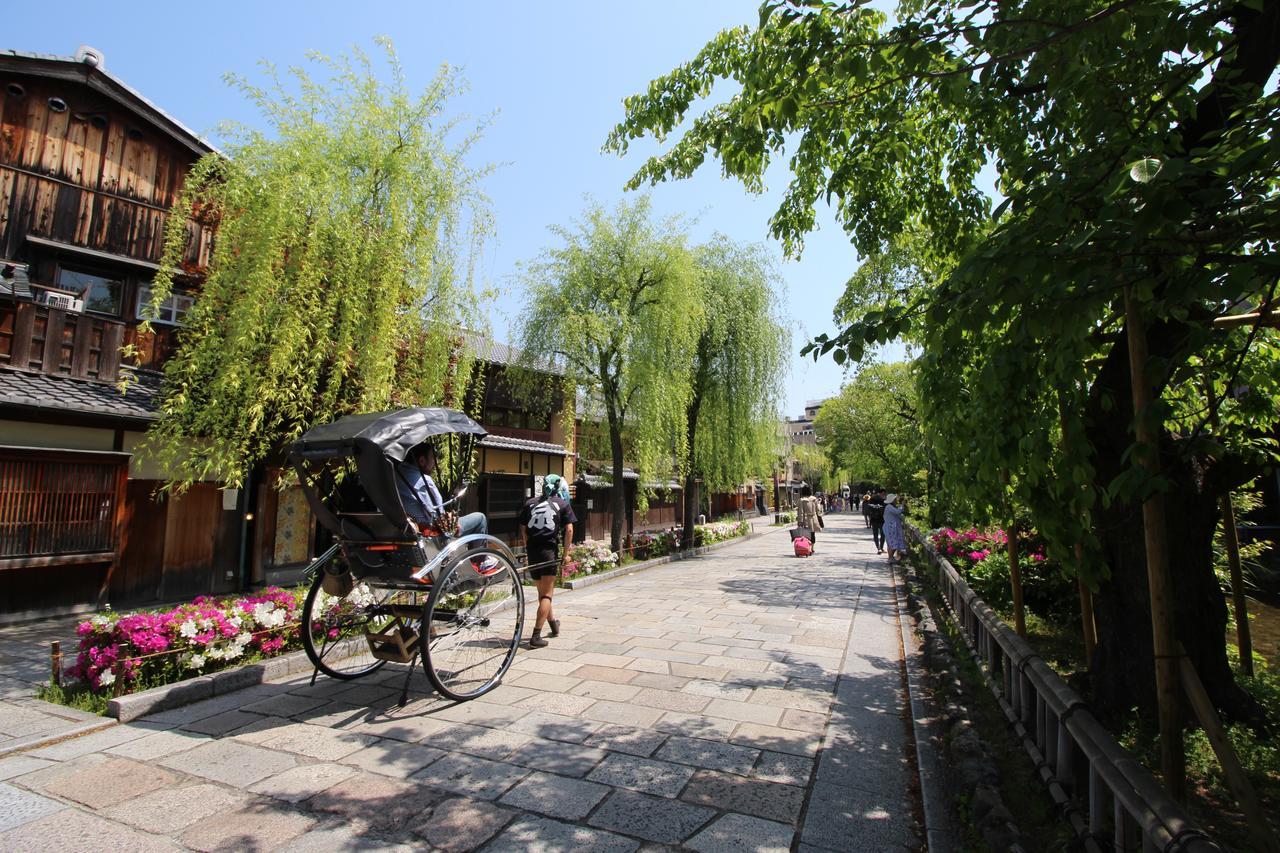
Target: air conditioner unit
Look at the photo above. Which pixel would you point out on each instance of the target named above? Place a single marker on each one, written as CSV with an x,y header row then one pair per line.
x,y
61,300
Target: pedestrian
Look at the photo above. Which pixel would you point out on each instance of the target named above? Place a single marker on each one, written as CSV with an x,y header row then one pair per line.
x,y
866,509
873,508
895,540
543,521
810,513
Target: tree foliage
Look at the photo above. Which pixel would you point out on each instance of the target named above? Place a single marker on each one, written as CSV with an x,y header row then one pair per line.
x,y
616,305
1133,142
341,269
872,428
735,373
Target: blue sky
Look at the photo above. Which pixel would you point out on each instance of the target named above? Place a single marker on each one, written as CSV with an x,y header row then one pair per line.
x,y
553,76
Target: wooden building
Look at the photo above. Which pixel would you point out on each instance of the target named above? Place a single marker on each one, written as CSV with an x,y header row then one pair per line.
x,y
88,172
527,439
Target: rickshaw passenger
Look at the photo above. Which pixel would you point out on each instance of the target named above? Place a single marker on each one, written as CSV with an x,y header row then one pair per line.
x,y
421,498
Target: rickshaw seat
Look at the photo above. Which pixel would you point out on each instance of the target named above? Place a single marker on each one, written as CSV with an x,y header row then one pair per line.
x,y
372,527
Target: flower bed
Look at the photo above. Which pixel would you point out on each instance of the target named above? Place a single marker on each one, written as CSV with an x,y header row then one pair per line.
x,y
982,557
123,653
591,556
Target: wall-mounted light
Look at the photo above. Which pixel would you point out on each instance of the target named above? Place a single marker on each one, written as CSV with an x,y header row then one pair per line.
x,y
57,104
248,516
15,90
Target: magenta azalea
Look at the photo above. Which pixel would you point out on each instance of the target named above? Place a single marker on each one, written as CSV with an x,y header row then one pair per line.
x,y
122,652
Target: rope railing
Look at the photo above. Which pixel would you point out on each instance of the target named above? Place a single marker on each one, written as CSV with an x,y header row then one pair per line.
x,y
1110,799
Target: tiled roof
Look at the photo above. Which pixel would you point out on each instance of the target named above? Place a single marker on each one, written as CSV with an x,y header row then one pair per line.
x,y
86,396
496,352
505,442
595,481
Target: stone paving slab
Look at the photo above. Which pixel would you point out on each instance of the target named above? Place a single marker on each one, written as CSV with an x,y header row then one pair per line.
x,y
651,818
555,796
745,700
18,807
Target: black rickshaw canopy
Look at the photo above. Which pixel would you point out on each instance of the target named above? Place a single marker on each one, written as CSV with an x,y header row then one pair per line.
x,y
376,443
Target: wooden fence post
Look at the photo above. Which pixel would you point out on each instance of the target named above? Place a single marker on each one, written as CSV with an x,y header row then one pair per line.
x,y
1231,541
1239,604
1168,692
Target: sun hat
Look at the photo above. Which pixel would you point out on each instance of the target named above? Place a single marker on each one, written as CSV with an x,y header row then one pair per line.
x,y
890,498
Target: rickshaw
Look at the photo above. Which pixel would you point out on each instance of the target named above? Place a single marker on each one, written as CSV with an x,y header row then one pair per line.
x,y
389,590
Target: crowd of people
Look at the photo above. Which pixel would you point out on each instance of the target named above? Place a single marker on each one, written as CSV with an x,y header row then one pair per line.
x,y
882,511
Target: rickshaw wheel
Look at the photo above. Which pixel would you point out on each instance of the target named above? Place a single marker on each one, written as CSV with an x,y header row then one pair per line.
x,y
476,617
334,629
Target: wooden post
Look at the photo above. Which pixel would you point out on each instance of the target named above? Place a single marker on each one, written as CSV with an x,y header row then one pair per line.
x,y
1231,542
1263,835
1168,693
1087,626
1088,629
55,663
1015,571
1238,601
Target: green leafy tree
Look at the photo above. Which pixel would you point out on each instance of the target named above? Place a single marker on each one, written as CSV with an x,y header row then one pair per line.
x,y
340,271
873,429
616,304
735,375
1133,143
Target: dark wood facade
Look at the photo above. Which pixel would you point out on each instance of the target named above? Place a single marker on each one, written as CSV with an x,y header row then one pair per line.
x,y
88,173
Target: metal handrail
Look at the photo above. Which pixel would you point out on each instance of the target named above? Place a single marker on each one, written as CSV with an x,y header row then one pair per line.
x,y
1100,787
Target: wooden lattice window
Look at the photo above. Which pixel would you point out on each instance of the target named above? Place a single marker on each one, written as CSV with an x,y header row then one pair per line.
x,y
58,503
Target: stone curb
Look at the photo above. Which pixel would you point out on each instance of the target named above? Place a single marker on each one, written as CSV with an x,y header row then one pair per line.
x,y
941,835
135,705
589,580
41,741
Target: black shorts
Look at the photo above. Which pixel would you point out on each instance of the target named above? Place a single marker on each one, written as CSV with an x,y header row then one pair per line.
x,y
543,554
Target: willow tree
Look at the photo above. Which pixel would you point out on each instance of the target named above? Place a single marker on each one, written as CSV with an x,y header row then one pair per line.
x,y
1134,145
344,235
616,306
735,373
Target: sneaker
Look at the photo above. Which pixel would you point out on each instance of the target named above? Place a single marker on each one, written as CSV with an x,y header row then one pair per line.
x,y
486,565
536,641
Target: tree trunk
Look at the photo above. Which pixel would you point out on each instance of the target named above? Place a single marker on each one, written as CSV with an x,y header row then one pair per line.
x,y
618,492
1124,672
690,477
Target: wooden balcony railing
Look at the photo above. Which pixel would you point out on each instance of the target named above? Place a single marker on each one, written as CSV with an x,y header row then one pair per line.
x,y
56,209
51,340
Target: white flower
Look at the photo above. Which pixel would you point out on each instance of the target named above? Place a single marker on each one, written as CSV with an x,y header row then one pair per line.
x,y
106,678
196,661
268,615
188,629
234,621
100,622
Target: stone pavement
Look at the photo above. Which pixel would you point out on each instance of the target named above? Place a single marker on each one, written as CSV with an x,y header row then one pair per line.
x,y
745,700
24,666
